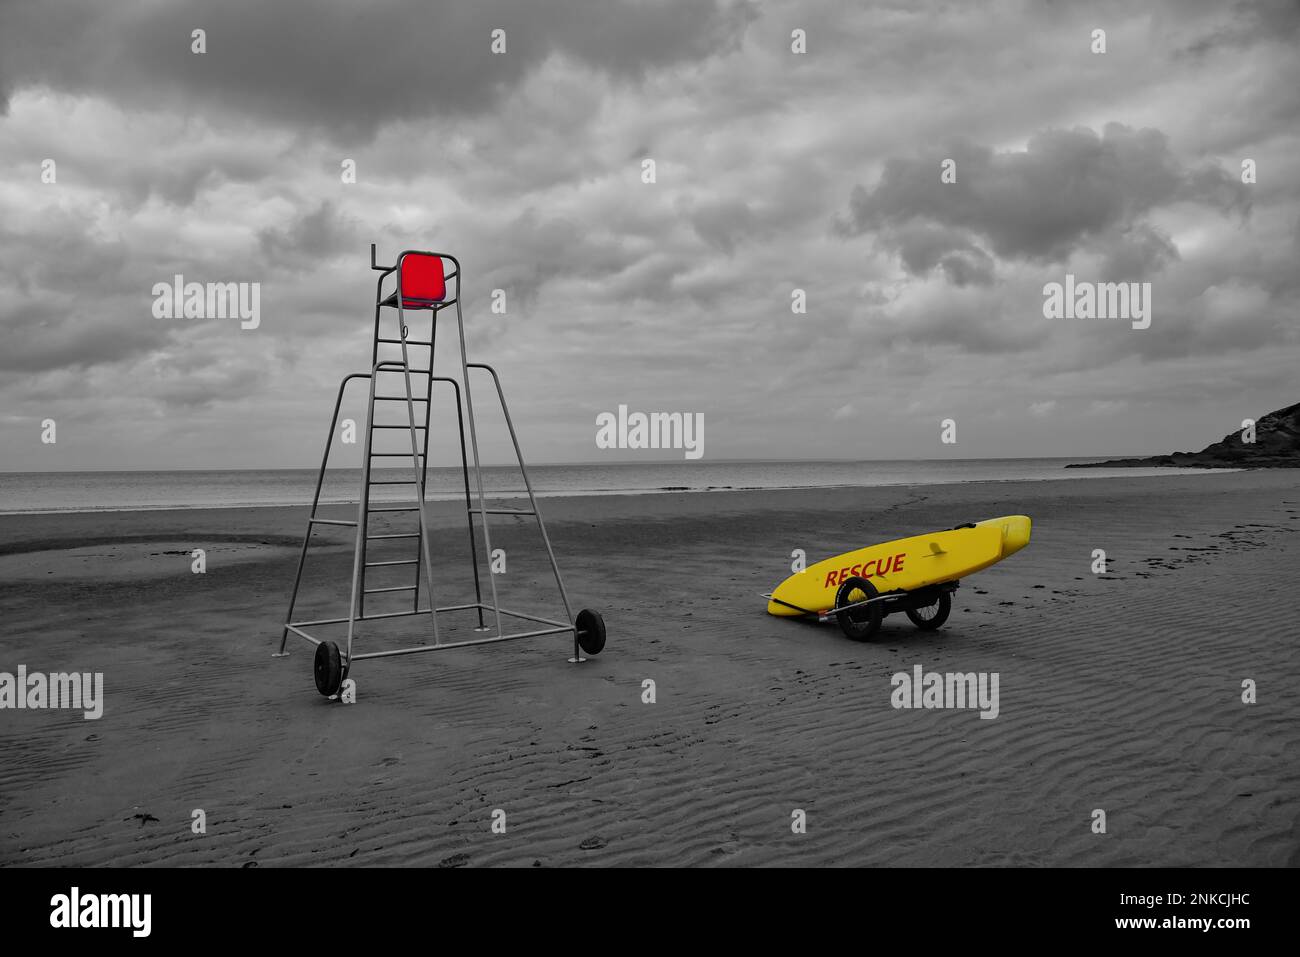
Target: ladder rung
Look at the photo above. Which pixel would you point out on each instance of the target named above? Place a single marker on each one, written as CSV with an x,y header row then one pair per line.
x,y
397,426
376,591
330,521
371,538
395,508
411,371
392,481
403,561
398,398
409,342
504,511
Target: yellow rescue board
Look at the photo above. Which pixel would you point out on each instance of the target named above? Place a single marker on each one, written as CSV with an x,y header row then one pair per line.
x,y
907,564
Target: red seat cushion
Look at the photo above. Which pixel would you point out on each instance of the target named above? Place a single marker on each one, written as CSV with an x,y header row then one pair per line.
x,y
422,281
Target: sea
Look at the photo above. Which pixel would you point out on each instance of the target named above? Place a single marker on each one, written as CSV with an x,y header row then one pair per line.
x,y
94,491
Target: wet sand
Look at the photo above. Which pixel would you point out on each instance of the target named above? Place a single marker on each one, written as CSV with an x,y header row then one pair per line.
x,y
1119,691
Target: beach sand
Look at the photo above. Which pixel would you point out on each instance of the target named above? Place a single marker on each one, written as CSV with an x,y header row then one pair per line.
x,y
1120,692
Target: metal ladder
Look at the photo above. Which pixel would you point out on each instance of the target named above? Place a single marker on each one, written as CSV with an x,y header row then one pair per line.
x,y
332,665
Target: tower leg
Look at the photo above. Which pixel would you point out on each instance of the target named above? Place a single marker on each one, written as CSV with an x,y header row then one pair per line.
x,y
532,499
363,512
424,464
478,465
315,501
469,519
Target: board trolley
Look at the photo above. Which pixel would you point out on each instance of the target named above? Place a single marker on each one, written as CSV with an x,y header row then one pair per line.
x,y
916,576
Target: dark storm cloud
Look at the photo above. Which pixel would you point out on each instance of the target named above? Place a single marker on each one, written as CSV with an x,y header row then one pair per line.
x,y
71,263
315,237
1251,21
208,385
65,334
723,224
1135,253
226,167
341,68
1067,189
178,180
534,249
923,246
86,301
63,309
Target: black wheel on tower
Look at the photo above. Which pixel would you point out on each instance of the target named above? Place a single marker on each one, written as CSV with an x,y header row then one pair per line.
x,y
591,631
328,668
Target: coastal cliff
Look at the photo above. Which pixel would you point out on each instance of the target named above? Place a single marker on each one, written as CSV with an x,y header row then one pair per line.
x,y
1276,445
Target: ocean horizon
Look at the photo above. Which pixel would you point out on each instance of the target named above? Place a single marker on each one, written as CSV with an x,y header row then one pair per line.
x,y
130,490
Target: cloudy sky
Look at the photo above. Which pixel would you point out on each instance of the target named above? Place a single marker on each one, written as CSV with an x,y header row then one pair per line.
x,y
774,171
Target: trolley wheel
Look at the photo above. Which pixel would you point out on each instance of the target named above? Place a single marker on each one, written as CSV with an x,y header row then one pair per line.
x,y
932,616
861,623
328,668
591,631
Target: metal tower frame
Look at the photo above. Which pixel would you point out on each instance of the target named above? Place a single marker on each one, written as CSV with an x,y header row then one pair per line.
x,y
424,291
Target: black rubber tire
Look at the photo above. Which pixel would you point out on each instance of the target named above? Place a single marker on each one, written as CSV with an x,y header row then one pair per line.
x,y
943,608
591,631
860,624
328,669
